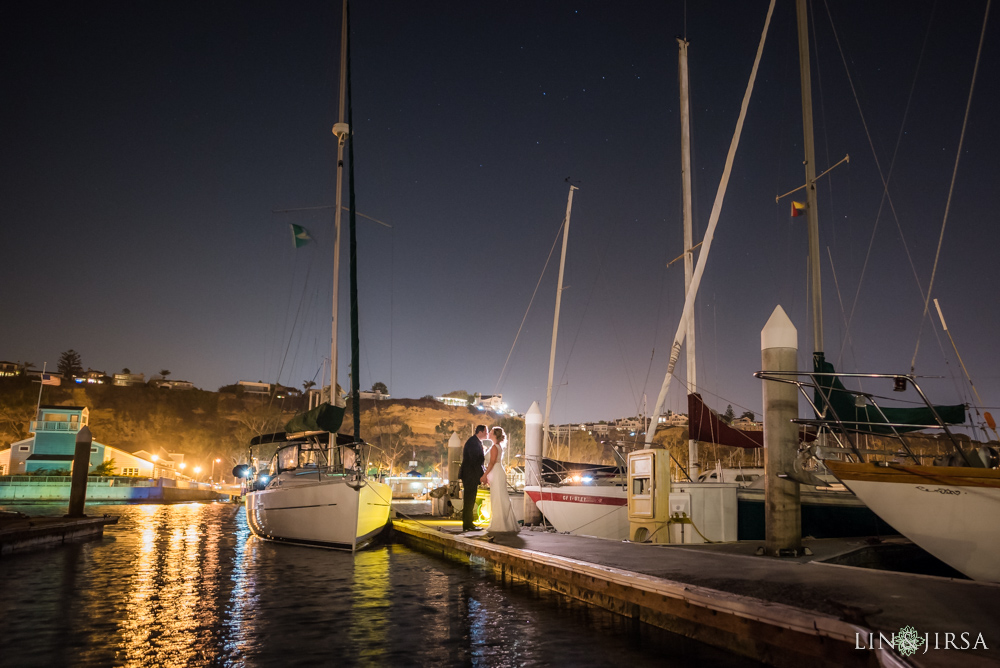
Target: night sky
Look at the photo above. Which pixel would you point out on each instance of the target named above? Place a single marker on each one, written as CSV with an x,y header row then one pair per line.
x,y
146,146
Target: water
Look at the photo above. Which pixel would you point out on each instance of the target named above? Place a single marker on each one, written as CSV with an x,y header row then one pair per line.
x,y
188,585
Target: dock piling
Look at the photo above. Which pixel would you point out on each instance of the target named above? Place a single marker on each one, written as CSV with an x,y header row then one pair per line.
x,y
782,509
532,461
81,467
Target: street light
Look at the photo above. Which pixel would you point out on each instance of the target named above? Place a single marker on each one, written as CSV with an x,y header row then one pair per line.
x,y
214,462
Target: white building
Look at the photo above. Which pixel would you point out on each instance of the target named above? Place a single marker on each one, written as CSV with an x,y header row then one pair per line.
x,y
250,387
490,402
673,420
128,379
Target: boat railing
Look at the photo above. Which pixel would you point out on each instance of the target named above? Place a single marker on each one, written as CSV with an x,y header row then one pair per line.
x,y
843,431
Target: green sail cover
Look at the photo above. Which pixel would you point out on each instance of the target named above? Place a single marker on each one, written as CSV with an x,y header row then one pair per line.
x,y
322,418
843,406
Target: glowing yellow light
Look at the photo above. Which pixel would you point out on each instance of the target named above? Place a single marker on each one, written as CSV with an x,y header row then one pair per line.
x,y
181,466
155,458
197,470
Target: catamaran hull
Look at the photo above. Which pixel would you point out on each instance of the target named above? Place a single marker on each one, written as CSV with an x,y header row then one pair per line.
x,y
326,513
951,512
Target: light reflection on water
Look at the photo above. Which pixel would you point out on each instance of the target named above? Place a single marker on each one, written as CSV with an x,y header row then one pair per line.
x,y
188,585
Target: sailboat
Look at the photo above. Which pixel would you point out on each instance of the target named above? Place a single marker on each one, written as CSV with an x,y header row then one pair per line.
x,y
949,509
316,490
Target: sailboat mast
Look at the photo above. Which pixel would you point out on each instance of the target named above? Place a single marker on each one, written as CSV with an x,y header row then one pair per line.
x,y
353,252
555,324
341,131
682,66
812,215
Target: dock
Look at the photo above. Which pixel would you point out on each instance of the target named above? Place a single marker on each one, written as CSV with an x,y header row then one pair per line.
x,y
19,533
783,612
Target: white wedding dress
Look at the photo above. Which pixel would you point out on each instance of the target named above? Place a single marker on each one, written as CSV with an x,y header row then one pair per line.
x,y
502,519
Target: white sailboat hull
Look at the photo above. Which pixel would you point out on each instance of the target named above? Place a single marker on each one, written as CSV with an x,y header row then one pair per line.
x,y
950,512
584,510
323,512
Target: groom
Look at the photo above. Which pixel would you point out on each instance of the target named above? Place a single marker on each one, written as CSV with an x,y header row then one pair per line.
x,y
470,473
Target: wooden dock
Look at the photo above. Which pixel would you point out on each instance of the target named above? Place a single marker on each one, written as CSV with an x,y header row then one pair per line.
x,y
784,612
20,533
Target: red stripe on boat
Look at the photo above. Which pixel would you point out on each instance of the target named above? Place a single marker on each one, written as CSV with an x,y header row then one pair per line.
x,y
559,497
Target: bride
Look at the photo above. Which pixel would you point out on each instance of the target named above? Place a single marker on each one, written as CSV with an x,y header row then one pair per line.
x,y
502,518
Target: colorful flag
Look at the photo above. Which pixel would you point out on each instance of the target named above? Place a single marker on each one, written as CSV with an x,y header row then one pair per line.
x,y
49,379
300,236
798,208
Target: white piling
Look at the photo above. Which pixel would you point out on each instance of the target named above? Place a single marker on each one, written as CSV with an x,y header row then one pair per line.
x,y
782,510
532,461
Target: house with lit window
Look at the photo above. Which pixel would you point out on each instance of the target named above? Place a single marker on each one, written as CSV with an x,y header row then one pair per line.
x,y
10,369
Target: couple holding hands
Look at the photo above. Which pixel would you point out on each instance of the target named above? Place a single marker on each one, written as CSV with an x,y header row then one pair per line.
x,y
474,456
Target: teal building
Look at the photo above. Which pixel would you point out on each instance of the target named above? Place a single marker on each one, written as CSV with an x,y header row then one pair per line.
x,y
54,443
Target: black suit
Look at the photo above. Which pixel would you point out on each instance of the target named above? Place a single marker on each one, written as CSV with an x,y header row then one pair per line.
x,y
470,473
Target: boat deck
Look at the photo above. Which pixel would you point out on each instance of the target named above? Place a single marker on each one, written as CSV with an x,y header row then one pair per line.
x,y
780,611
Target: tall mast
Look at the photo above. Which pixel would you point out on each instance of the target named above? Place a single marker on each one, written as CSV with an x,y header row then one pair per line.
x,y
341,131
555,324
810,162
682,65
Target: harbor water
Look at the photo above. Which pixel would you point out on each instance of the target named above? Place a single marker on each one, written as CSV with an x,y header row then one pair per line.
x,y
189,585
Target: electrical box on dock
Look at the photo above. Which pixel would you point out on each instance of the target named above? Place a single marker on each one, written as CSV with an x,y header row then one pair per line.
x,y
649,496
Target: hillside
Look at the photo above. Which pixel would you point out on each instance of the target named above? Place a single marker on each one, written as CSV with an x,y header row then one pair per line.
x,y
205,425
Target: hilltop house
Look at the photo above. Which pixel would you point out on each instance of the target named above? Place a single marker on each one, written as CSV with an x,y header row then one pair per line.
x,y
128,379
10,369
489,402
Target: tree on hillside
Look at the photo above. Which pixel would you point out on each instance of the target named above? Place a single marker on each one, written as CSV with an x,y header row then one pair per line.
x,y
380,387
164,373
443,430
126,370
26,367
70,364
748,415
308,385
729,415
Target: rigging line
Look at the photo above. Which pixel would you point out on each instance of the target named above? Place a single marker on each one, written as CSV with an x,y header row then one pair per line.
x,y
656,334
843,311
892,163
331,206
583,320
951,187
885,182
530,302
294,323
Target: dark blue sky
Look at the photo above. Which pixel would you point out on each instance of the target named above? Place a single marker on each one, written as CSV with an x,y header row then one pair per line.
x,y
145,147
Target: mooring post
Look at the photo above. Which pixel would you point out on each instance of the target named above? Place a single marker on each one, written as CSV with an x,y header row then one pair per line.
x,y
532,461
81,466
782,511
454,464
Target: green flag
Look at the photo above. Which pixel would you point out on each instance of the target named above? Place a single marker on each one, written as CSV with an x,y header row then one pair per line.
x,y
300,236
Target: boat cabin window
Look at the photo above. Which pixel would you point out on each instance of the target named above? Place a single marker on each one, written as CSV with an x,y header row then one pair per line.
x,y
299,456
288,458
